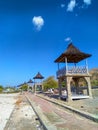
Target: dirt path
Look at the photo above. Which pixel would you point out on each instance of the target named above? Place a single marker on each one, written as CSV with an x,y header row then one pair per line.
x,y
7,103
23,116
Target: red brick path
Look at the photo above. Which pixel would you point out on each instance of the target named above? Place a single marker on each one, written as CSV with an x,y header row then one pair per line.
x,y
61,118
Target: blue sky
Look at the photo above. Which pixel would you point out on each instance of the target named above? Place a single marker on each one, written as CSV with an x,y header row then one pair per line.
x,y
33,33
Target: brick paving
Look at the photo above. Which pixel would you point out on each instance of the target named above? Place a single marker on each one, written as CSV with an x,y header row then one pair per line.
x,y
61,118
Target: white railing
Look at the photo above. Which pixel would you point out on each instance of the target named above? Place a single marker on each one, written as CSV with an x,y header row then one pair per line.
x,y
72,70
77,69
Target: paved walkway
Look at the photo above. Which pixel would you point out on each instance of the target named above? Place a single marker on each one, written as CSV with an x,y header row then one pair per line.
x,y
59,118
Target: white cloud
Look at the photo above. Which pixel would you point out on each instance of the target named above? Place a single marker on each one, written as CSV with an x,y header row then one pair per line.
x,y
88,2
68,39
38,22
71,5
62,5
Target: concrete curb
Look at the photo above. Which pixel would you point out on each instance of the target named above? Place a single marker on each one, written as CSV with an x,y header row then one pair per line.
x,y
82,113
42,118
9,120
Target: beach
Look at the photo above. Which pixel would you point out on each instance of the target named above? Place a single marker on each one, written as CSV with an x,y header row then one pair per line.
x,y
7,103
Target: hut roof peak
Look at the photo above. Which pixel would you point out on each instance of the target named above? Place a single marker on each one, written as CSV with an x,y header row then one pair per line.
x,y
72,49
30,81
73,55
38,76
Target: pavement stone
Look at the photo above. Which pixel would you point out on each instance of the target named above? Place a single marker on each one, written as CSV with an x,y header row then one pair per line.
x,y
90,116
58,118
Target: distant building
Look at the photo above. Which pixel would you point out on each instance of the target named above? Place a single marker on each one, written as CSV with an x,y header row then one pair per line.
x,y
38,83
30,84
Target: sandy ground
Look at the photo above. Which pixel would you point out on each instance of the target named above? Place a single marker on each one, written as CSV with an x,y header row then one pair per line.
x,y
23,117
7,103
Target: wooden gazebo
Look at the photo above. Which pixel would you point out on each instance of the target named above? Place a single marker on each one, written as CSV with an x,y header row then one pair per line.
x,y
68,73
30,84
38,85
30,81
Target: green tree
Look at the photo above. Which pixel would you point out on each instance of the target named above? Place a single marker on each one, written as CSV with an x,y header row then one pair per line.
x,y
24,87
50,82
1,88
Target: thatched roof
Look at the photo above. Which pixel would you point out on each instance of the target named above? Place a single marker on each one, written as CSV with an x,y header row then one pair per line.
x,y
30,81
38,76
73,55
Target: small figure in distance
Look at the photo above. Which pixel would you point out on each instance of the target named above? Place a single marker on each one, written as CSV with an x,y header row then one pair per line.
x,y
65,93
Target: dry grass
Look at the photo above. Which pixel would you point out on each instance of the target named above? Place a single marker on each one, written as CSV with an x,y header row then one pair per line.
x,y
18,102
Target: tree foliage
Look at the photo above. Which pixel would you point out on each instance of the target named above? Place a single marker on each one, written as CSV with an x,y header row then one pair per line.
x,y
50,82
24,87
1,88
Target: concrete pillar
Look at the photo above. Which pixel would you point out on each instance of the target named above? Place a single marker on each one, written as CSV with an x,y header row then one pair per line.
x,y
68,80
60,87
89,86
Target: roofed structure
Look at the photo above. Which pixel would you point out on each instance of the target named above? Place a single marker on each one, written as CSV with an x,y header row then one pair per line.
x,y
73,55
38,85
30,81
72,73
38,76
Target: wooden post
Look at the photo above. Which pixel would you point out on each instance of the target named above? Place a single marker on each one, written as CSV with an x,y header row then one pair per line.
x,y
66,65
34,87
86,66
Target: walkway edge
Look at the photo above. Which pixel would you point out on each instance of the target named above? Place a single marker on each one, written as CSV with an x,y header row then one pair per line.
x,y
42,118
82,113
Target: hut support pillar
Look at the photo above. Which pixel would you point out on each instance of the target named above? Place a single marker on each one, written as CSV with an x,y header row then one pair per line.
x,y
89,86
86,66
34,87
68,80
66,65
60,87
